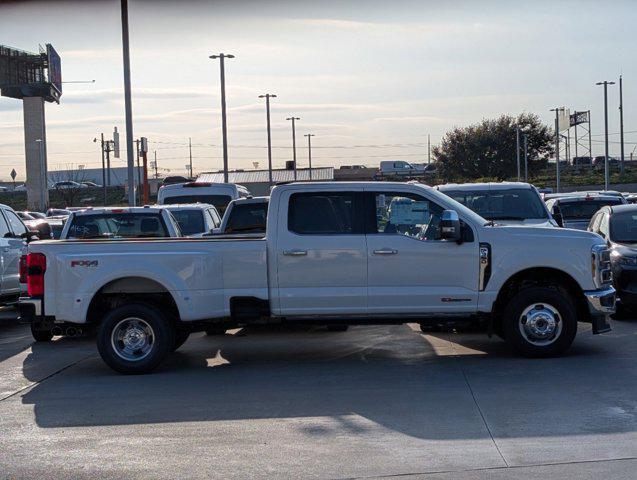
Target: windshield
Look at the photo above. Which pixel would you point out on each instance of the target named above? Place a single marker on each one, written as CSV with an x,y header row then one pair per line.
x,y
220,202
118,225
190,221
510,204
623,227
247,218
585,209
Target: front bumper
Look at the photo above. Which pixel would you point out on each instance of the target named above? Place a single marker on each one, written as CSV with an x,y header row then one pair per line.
x,y
601,305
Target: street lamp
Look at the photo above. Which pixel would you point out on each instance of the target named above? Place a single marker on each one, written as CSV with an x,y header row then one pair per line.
x,y
606,173
294,141
224,128
309,150
267,97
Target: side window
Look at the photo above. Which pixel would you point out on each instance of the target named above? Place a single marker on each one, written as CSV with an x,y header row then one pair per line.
x,y
4,228
322,213
16,224
603,225
407,214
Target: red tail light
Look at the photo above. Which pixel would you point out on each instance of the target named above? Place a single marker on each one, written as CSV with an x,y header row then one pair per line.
x,y
36,266
23,269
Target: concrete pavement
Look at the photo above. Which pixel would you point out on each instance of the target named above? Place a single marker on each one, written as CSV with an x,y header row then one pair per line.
x,y
375,401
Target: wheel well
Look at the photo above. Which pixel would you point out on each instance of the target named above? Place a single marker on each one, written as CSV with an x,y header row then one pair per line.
x,y
125,290
541,276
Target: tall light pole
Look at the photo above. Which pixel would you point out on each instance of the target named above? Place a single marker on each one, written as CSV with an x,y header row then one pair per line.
x,y
621,123
309,150
267,97
606,175
557,111
526,157
224,127
190,155
517,148
130,156
294,141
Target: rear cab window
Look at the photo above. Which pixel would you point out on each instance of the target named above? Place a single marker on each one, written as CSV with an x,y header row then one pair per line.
x,y
247,218
190,221
118,225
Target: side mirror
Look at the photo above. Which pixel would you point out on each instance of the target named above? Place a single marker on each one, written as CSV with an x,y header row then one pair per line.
x,y
558,219
30,236
450,226
215,231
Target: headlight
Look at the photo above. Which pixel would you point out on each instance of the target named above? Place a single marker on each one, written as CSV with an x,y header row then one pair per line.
x,y
630,261
600,265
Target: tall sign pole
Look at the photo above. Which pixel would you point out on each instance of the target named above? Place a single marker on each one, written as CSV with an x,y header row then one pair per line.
x,y
294,141
526,158
130,156
309,151
144,149
103,170
517,148
557,111
190,154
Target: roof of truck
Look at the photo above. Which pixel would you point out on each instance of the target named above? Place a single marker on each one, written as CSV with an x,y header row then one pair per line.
x,y
482,186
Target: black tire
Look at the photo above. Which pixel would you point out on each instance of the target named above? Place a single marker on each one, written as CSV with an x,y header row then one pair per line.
x,y
181,336
163,338
429,328
215,330
548,299
337,328
41,335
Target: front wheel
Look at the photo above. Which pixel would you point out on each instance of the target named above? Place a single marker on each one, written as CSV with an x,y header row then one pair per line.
x,y
135,338
540,322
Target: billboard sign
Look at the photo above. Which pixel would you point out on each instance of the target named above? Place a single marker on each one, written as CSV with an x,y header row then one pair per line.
x,y
564,120
55,68
578,118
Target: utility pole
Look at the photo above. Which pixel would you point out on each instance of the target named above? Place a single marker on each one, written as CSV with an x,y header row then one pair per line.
x,y
103,171
267,97
190,154
224,126
576,133
428,149
517,148
128,107
294,141
526,158
621,123
590,142
606,173
108,162
309,150
156,174
137,182
557,111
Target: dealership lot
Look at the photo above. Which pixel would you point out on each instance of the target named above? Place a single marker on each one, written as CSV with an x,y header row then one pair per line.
x,y
298,402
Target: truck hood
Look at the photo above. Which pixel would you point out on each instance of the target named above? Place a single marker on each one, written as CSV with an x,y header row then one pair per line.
x,y
529,222
538,231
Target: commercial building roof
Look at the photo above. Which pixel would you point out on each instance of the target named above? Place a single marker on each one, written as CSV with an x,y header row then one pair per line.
x,y
262,176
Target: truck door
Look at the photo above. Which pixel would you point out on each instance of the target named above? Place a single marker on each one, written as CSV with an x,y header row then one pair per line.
x,y
12,247
409,269
321,253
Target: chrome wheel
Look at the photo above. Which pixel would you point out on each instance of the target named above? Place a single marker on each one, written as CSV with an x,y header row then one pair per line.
x,y
540,324
132,339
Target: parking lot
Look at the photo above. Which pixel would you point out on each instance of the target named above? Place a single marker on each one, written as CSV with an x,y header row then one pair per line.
x,y
303,402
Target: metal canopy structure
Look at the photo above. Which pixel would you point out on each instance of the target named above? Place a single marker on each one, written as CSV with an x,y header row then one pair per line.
x,y
26,74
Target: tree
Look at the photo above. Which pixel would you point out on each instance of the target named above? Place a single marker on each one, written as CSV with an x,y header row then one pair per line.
x,y
487,149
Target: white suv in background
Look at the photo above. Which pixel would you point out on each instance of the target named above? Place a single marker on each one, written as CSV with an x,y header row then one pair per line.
x,y
217,194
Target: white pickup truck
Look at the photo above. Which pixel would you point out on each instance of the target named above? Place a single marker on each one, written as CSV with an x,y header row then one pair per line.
x,y
333,253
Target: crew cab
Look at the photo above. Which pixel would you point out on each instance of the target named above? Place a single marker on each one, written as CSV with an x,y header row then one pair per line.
x,y
508,203
333,253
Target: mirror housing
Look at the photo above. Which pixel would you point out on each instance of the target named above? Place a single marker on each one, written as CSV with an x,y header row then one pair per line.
x,y
215,231
450,226
29,236
558,219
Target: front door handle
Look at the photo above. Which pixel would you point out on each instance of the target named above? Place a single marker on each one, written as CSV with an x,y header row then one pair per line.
x,y
295,253
386,251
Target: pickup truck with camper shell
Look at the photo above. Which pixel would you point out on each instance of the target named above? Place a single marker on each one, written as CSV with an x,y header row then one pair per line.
x,y
333,253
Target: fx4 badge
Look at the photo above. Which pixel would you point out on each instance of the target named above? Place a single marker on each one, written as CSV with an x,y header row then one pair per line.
x,y
84,263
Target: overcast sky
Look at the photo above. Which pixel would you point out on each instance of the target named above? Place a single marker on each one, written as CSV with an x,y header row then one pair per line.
x,y
369,78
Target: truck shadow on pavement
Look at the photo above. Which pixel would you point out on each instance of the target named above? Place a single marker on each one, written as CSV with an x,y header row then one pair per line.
x,y
442,386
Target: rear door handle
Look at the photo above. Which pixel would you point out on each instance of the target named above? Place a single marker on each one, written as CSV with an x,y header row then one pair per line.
x,y
295,253
386,251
